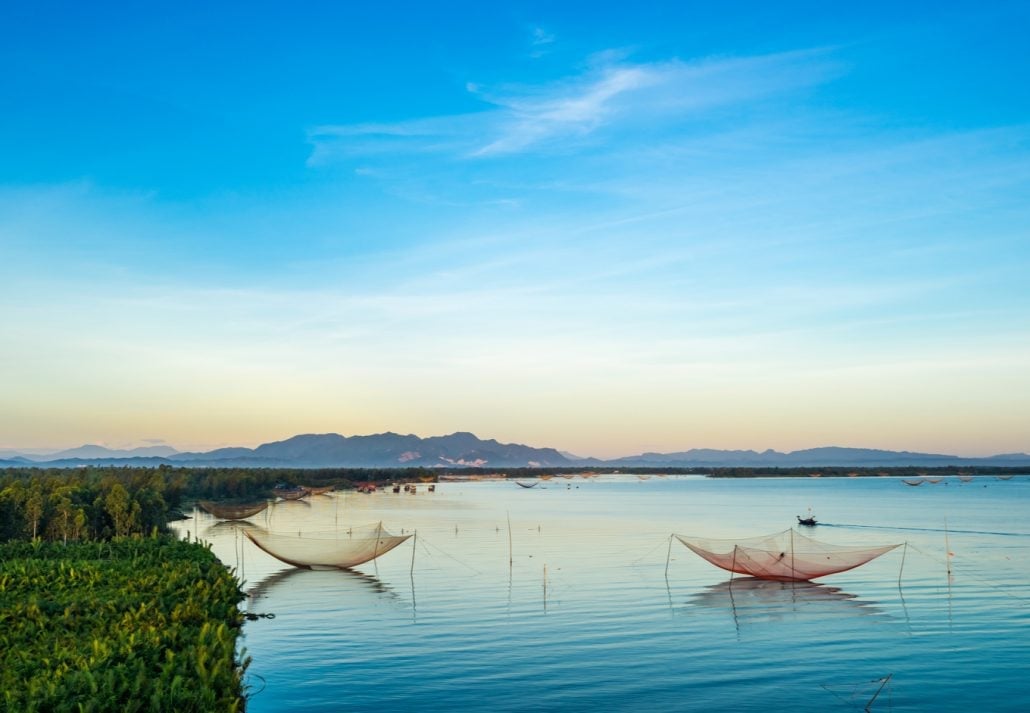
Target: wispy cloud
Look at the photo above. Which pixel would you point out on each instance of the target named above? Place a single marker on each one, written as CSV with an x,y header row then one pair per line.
x,y
610,93
530,121
540,42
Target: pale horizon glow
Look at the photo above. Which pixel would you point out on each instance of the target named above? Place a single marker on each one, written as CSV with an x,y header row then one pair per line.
x,y
605,231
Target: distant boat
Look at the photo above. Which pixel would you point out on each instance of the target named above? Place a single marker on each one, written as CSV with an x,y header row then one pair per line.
x,y
918,481
227,511
807,521
933,480
965,477
340,550
292,492
1003,477
527,485
319,491
784,556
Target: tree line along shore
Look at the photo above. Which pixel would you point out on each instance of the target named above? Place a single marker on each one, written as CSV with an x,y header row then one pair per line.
x,y
101,502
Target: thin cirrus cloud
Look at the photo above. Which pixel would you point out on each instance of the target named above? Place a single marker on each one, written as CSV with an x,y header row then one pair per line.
x,y
608,94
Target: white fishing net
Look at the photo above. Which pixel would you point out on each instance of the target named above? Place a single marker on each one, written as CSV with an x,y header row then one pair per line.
x,y
786,555
332,550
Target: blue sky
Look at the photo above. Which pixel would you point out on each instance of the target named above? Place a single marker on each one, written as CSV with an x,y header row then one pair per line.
x,y
603,228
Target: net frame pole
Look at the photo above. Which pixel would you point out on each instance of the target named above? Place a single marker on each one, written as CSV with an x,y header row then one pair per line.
x,y
375,555
379,534
414,546
668,556
886,680
793,571
903,553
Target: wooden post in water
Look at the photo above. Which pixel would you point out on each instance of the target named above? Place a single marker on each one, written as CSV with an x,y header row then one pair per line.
x,y
947,547
511,555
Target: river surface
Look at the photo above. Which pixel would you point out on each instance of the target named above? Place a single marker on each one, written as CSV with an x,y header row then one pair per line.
x,y
585,604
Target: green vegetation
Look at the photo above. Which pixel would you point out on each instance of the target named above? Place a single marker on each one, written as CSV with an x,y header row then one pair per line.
x,y
132,624
87,504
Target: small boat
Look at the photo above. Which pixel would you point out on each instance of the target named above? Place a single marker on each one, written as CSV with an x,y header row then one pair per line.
x,y
226,511
527,485
919,481
807,521
432,487
290,492
319,491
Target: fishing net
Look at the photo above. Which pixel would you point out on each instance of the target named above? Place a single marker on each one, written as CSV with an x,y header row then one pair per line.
x,y
334,550
785,556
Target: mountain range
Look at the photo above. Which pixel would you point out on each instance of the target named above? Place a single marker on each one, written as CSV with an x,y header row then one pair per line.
x,y
462,449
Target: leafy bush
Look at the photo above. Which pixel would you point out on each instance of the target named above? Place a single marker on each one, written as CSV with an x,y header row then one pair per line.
x,y
132,624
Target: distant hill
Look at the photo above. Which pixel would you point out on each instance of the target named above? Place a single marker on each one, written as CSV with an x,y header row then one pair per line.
x,y
91,452
813,457
462,449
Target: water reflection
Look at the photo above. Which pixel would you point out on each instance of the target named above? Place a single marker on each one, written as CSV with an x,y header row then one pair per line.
x,y
226,527
750,600
296,583
292,504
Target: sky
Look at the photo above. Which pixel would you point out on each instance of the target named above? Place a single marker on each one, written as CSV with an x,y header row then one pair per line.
x,y
607,228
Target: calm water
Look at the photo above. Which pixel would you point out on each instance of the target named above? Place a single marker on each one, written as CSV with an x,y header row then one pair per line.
x,y
584,618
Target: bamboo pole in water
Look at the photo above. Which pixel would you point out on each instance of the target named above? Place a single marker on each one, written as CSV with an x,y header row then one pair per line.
x,y
947,547
511,555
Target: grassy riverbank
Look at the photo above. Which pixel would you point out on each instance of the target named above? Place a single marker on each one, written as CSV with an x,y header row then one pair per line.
x,y
132,624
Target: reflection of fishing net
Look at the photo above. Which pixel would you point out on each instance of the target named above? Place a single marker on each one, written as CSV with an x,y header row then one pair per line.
x,y
232,512
347,548
786,555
